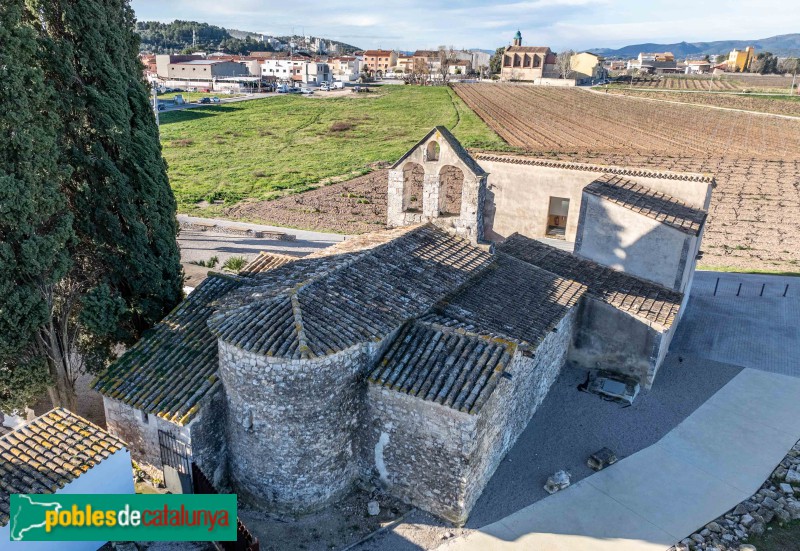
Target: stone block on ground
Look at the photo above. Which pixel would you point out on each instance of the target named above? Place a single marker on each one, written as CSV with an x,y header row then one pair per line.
x,y
373,508
601,459
558,481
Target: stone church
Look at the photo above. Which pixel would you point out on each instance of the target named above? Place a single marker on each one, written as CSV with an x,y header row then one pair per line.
x,y
527,63
414,357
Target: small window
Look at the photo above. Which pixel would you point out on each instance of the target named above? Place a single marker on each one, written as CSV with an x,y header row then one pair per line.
x,y
145,418
432,151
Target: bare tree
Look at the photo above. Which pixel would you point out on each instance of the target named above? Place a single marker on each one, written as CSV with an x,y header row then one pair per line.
x,y
447,58
564,63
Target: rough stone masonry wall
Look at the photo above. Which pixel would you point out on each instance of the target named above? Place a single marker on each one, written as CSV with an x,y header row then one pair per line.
x,y
292,425
207,431
468,224
419,450
513,404
607,338
141,438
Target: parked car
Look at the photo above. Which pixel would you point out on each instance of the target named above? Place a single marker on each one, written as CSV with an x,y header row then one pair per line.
x,y
215,99
338,85
205,100
282,89
294,90
324,87
306,91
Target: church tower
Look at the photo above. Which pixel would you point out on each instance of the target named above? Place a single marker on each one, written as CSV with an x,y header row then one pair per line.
x,y
518,39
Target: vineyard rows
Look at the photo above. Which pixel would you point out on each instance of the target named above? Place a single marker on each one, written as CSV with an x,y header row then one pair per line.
x,y
789,106
544,119
718,83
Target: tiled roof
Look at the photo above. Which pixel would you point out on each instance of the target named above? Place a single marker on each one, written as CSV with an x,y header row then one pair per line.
x,y
48,453
265,262
171,369
442,365
511,299
528,49
635,296
653,204
360,301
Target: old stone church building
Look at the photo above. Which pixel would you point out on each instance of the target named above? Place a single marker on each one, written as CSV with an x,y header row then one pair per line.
x,y
415,357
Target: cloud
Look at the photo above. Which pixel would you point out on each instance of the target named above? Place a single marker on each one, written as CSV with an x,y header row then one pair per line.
x,y
560,24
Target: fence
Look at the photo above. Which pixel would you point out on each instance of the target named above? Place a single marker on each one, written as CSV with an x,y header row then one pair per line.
x,y
245,541
750,289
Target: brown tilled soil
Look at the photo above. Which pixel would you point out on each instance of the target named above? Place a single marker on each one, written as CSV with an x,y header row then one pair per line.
x,y
355,206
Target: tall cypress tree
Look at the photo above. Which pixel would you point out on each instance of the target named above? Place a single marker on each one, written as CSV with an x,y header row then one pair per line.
x,y
35,225
119,192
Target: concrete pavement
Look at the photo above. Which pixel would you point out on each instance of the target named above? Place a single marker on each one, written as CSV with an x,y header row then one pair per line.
x,y
717,457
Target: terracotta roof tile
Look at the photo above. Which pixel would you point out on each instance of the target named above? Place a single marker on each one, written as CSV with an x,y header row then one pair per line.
x,y
635,296
48,453
443,365
653,204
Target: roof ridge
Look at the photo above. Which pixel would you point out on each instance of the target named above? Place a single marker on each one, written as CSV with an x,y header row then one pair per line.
x,y
299,328
589,167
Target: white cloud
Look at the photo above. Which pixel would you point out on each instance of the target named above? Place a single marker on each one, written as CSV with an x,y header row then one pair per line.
x,y
560,24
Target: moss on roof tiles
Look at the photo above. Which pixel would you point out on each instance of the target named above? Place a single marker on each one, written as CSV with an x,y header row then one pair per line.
x,y
48,453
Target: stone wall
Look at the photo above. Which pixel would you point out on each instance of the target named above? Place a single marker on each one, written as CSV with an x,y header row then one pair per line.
x,y
207,432
630,242
440,459
419,450
607,338
293,425
514,403
468,223
519,191
141,437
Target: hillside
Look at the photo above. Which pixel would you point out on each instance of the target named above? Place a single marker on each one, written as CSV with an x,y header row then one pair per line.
x,y
177,36
781,45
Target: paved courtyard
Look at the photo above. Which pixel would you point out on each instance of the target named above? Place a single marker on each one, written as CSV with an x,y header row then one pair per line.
x,y
758,328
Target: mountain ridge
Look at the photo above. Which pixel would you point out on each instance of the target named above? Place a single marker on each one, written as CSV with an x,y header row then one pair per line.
x,y
780,45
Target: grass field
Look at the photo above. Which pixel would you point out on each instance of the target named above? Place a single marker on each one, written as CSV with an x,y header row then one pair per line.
x,y
262,148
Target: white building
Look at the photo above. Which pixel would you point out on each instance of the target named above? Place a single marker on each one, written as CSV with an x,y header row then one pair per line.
x,y
60,453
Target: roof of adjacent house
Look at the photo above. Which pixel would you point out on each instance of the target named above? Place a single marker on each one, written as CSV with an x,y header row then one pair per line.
x,y
377,53
637,297
654,204
48,453
357,302
264,262
442,365
168,371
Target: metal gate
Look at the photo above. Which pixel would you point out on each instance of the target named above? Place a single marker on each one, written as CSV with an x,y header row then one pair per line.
x,y
175,463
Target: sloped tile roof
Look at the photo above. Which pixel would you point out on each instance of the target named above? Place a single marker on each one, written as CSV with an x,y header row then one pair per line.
x,y
264,262
648,202
48,453
169,371
511,299
443,365
359,301
640,298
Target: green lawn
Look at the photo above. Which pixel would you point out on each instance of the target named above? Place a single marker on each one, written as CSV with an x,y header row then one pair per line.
x,y
779,538
262,148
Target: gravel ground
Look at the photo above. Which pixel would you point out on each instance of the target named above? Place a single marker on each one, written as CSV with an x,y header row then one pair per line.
x,y
568,427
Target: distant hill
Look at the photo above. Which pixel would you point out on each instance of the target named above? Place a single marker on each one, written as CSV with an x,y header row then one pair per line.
x,y
781,45
178,36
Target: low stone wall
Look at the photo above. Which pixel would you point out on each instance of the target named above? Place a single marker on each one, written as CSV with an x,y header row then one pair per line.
x,y
235,230
207,432
777,500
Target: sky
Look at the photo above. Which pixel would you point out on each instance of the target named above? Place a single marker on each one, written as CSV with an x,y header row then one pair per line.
x,y
489,24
